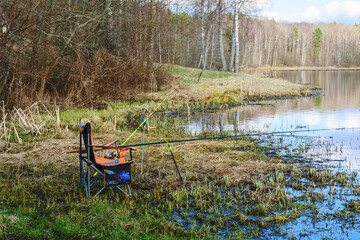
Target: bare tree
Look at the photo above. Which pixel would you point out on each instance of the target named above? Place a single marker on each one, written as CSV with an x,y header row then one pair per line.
x,y
221,42
236,36
202,18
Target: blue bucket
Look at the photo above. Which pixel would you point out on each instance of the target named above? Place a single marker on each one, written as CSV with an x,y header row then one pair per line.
x,y
124,176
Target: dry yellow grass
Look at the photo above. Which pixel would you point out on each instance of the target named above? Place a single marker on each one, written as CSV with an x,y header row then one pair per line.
x,y
224,87
244,87
198,161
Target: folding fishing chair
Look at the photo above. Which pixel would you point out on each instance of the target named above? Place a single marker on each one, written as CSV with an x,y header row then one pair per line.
x,y
113,168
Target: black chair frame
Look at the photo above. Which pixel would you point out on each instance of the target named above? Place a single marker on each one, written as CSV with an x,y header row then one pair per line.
x,y
89,169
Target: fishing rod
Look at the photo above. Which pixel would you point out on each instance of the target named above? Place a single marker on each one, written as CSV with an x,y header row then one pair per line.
x,y
232,136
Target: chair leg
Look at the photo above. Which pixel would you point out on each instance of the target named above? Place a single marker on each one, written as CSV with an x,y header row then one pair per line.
x,y
81,174
95,180
83,179
128,189
100,190
88,182
121,190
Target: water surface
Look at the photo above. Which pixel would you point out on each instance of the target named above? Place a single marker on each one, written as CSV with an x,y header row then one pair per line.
x,y
337,107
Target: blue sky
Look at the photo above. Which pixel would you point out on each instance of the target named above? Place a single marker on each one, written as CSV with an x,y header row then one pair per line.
x,y
313,11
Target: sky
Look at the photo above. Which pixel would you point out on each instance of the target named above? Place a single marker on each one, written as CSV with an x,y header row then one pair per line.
x,y
313,11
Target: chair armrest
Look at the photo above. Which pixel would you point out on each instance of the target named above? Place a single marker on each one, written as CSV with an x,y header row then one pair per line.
x,y
110,143
85,151
131,148
114,148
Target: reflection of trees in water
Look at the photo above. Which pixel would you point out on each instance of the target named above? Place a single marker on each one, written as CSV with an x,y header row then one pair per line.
x,y
341,88
235,119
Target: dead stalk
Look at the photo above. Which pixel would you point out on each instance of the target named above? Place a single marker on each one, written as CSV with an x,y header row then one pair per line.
x,y
58,128
21,117
16,134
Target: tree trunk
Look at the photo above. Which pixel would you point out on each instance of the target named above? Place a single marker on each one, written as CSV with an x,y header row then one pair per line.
x,y
221,44
293,47
260,54
276,49
150,42
303,51
255,49
160,51
207,45
236,37
202,57
212,50
232,53
268,60
244,57
110,35
4,30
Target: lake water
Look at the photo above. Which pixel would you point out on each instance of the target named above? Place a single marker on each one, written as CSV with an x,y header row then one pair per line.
x,y
338,106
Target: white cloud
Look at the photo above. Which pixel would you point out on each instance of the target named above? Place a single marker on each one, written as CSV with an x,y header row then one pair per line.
x,y
271,15
263,4
340,11
348,9
311,14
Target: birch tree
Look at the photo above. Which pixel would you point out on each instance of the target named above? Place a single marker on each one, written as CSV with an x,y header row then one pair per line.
x,y
238,5
202,35
236,36
221,42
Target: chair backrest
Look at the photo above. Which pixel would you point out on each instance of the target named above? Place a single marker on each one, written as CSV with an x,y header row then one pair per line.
x,y
85,131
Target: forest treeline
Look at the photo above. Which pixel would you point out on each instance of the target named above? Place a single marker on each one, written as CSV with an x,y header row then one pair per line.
x,y
77,51
261,42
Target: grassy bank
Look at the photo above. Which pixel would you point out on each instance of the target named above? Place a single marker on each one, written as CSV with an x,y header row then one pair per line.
x,y
232,188
224,87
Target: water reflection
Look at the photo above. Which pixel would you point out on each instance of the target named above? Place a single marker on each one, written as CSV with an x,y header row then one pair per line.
x,y
341,88
338,108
